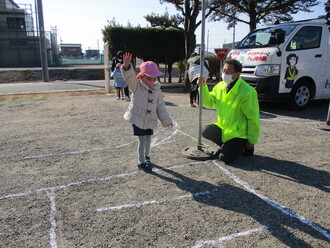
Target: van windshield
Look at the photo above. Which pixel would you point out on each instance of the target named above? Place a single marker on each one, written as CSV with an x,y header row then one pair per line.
x,y
265,37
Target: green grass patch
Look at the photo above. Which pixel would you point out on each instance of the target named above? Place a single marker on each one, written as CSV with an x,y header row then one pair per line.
x,y
26,100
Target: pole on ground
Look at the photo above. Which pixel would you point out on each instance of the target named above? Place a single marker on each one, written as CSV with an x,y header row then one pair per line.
x,y
199,152
43,50
106,68
199,145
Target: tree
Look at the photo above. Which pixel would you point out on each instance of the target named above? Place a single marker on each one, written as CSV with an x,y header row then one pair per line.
x,y
259,11
165,21
190,10
157,44
327,10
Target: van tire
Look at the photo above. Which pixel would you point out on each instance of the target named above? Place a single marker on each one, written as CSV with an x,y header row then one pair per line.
x,y
300,96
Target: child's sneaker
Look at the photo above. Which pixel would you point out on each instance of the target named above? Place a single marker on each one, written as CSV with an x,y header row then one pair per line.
x,y
117,98
145,167
122,98
147,160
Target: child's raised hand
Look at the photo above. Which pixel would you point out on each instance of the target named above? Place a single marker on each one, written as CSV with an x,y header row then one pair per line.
x,y
127,58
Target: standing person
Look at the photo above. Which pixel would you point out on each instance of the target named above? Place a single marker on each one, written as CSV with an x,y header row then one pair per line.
x,y
119,83
236,102
119,59
193,73
146,107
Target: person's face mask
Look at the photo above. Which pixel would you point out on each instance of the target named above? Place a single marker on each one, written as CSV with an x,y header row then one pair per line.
x,y
227,78
149,80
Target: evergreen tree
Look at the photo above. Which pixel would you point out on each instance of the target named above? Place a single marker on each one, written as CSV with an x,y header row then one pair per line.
x,y
252,12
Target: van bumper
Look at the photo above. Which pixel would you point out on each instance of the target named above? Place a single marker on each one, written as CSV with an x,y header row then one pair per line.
x,y
267,87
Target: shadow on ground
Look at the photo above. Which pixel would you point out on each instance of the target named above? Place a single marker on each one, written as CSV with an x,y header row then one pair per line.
x,y
238,200
287,170
317,110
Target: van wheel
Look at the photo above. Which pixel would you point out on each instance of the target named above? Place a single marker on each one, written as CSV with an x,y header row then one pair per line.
x,y
300,96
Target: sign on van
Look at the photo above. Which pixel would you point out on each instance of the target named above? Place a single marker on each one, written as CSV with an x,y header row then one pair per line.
x,y
221,53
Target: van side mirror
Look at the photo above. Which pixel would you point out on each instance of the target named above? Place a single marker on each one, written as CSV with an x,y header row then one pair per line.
x,y
280,36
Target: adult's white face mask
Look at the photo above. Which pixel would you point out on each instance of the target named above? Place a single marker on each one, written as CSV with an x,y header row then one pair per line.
x,y
227,78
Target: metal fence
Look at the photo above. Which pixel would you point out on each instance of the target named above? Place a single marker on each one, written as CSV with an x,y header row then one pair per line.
x,y
19,39
82,61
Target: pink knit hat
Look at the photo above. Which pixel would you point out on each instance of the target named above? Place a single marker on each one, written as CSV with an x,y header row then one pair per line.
x,y
118,65
149,69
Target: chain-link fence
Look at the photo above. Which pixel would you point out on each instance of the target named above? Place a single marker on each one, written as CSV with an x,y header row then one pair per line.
x,y
19,39
83,60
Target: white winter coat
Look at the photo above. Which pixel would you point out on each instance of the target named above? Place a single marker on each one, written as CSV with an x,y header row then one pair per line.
x,y
147,104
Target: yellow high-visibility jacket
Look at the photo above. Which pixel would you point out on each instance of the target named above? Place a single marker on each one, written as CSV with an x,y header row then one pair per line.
x,y
237,110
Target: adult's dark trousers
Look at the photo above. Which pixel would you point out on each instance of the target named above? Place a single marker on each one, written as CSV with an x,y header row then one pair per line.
x,y
193,92
231,149
126,90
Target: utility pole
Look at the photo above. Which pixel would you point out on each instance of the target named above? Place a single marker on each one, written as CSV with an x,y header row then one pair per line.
x,y
207,48
43,50
233,44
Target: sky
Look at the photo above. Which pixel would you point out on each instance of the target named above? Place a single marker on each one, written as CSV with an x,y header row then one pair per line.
x,y
81,21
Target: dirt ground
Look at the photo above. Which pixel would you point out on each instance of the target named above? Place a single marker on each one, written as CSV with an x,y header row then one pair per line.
x,y
69,179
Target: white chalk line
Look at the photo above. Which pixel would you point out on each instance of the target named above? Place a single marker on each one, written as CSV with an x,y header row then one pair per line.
x,y
77,152
140,204
274,204
52,232
93,180
164,141
244,184
187,135
155,143
201,244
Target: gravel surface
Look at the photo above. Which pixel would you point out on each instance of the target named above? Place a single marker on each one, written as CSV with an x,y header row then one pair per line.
x,y
69,179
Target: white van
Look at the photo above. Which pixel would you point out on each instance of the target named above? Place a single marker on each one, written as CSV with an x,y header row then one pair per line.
x,y
289,61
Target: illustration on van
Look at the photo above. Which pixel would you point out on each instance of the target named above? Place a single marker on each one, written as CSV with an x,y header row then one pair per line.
x,y
291,71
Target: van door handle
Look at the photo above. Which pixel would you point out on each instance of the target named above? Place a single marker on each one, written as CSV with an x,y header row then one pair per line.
x,y
318,55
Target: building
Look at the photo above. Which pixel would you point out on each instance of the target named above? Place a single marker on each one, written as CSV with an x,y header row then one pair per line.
x,y
19,46
71,50
230,45
92,53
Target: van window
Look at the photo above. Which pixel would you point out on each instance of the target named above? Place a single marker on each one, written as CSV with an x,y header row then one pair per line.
x,y
264,37
306,38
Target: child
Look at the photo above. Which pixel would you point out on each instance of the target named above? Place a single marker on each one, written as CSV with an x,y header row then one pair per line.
x,y
119,83
146,107
193,74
